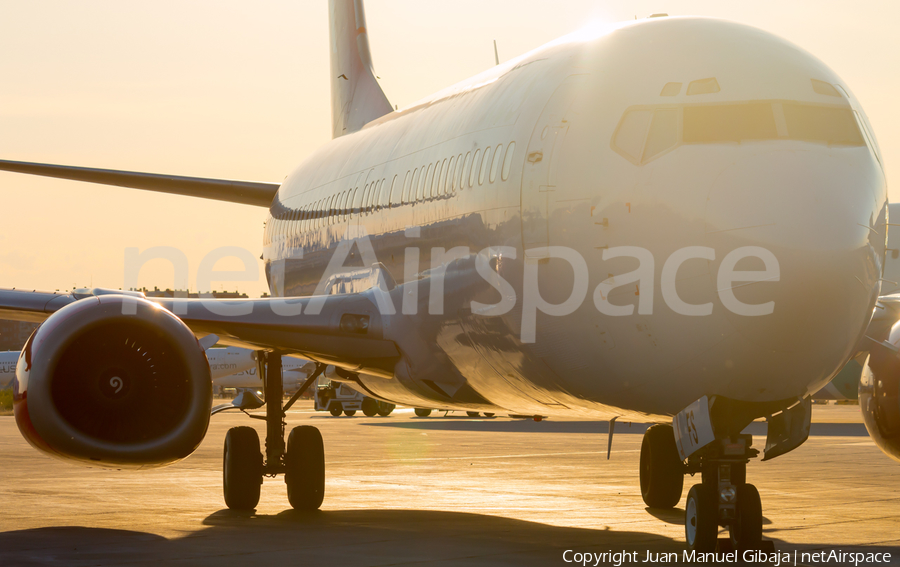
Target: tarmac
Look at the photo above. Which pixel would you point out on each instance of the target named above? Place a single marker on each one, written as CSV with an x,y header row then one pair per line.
x,y
454,490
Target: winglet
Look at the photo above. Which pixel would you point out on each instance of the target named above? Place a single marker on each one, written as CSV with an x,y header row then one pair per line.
x,y
356,96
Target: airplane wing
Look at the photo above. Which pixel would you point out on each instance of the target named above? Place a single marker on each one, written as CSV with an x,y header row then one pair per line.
x,y
342,330
244,192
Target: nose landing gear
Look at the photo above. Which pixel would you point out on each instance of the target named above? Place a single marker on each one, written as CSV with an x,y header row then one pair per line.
x,y
302,462
723,497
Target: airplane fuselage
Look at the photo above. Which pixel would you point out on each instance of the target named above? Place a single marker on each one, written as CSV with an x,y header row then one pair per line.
x,y
683,161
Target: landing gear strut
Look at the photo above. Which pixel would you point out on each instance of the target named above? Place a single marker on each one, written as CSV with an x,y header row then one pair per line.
x,y
723,498
302,463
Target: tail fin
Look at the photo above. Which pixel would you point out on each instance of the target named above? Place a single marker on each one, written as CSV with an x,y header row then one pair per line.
x,y
356,96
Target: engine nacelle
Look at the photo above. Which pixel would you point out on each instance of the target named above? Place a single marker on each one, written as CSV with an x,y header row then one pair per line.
x,y
113,381
879,396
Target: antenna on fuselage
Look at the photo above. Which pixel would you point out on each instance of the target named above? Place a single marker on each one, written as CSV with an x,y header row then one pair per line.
x,y
496,53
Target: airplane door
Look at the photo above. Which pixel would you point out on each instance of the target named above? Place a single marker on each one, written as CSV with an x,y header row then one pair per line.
x,y
538,187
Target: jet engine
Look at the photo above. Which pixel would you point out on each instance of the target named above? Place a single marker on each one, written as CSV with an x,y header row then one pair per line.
x,y
879,395
113,381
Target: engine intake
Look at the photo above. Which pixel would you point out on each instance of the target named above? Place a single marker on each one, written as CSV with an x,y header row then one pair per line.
x,y
113,381
879,396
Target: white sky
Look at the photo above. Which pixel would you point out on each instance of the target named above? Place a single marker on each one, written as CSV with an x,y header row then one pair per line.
x,y
236,89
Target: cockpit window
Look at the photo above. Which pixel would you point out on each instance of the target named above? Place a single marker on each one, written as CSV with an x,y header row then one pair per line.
x,y
703,86
663,132
729,123
822,124
823,88
646,133
629,137
671,89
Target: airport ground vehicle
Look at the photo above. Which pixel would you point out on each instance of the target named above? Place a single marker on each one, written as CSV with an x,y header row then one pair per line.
x,y
562,172
337,398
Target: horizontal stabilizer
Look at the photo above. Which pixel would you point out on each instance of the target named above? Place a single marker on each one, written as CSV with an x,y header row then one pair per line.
x,y
243,192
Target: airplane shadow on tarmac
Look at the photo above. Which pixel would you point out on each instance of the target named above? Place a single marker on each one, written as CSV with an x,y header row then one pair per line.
x,y
342,537
339,537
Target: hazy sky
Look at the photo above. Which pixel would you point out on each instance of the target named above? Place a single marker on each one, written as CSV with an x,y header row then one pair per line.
x,y
237,89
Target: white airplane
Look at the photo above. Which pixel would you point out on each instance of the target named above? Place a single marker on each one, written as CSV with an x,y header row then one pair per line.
x,y
295,371
8,362
680,220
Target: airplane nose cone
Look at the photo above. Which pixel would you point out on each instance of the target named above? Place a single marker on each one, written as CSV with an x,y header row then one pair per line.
x,y
822,215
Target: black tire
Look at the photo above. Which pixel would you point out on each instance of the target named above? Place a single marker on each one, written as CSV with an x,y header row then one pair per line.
x,y
305,468
370,407
701,525
349,412
336,409
746,530
489,414
242,468
423,412
472,413
662,472
385,409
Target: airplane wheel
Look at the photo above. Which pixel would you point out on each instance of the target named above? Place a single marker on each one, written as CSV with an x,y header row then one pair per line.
x,y
472,413
489,414
350,412
370,407
701,526
336,409
385,409
746,531
305,468
422,412
662,477
242,468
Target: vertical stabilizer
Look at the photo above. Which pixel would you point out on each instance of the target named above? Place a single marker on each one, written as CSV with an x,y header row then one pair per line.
x,y
356,96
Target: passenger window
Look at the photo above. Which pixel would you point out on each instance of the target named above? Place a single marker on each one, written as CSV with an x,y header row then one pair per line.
x,y
357,201
671,89
629,136
663,133
463,171
451,177
823,88
423,182
443,186
476,165
703,86
495,164
436,186
393,198
507,161
485,165
409,194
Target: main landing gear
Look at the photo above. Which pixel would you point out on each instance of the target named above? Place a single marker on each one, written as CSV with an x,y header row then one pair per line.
x,y
302,461
723,497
